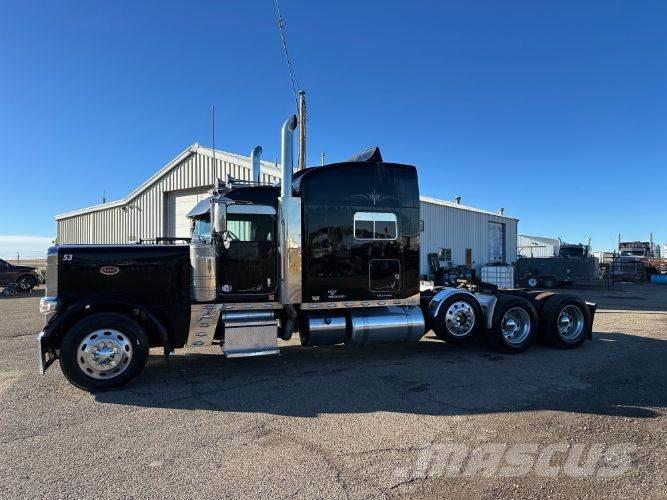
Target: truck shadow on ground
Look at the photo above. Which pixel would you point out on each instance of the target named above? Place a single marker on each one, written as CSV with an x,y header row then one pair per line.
x,y
615,374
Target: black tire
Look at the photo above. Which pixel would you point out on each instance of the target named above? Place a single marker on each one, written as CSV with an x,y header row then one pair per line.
x,y
511,308
449,324
549,282
111,325
26,283
566,335
539,299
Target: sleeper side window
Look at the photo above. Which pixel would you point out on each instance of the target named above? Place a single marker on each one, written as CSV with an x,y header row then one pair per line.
x,y
375,226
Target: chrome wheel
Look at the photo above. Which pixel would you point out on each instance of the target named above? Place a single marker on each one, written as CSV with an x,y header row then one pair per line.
x,y
532,282
460,319
104,354
570,322
516,326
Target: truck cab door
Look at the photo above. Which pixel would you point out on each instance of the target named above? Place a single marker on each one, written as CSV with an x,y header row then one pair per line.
x,y
249,263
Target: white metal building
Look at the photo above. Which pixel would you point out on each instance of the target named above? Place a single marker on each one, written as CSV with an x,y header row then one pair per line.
x,y
157,208
537,246
470,236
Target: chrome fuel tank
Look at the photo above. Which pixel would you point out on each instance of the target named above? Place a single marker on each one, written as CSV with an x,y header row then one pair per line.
x,y
381,325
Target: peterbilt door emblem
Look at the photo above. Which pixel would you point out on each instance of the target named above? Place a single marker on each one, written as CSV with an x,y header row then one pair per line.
x,y
226,288
109,270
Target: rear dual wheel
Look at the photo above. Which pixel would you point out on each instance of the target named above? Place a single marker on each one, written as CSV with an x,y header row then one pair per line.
x,y
514,325
566,321
458,319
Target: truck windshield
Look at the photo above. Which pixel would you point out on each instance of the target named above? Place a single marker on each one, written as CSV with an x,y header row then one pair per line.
x,y
201,230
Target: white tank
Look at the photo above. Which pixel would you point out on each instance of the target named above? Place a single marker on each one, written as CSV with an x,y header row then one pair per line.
x,y
501,276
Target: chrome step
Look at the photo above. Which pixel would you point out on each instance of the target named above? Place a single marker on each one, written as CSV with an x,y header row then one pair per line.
x,y
249,333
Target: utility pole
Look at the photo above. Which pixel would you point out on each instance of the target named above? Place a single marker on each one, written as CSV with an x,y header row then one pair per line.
x,y
213,141
302,130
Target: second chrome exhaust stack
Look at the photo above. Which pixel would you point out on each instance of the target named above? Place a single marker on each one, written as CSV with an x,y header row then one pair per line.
x,y
255,157
287,154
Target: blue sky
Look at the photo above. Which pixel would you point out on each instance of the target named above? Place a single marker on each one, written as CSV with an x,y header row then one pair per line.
x,y
555,111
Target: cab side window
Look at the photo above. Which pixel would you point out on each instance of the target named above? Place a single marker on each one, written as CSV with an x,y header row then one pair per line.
x,y
375,226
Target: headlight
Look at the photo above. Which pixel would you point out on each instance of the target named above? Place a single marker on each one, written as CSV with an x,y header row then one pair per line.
x,y
48,305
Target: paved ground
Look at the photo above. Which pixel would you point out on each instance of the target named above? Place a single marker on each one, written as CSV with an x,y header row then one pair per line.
x,y
426,420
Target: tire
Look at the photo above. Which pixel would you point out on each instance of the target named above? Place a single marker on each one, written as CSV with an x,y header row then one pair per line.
x,y
458,319
26,283
539,299
103,351
566,321
549,282
514,325
532,282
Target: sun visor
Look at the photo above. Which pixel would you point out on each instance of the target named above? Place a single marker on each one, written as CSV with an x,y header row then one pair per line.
x,y
201,208
371,155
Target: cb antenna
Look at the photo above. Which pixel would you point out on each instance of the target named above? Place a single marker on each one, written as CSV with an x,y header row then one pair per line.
x,y
290,69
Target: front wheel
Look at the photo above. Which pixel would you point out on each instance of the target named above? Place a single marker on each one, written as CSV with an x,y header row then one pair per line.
x,y
103,351
514,325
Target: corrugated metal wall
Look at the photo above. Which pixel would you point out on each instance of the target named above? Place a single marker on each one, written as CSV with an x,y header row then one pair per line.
x,y
459,229
144,217
530,247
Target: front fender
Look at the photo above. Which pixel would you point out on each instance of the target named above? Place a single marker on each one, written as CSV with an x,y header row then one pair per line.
x,y
48,339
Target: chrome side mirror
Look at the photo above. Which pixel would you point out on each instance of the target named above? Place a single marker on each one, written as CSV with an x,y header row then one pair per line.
x,y
219,217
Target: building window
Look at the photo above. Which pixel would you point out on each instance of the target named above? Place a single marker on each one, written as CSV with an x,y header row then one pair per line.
x,y
375,226
445,254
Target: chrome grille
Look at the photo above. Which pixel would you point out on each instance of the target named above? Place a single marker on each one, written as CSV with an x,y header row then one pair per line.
x,y
52,272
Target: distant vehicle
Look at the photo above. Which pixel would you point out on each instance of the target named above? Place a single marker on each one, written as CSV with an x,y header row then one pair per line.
x,y
25,277
638,249
573,263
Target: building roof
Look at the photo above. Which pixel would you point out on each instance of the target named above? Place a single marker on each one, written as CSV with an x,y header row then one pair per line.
x,y
267,167
452,204
540,239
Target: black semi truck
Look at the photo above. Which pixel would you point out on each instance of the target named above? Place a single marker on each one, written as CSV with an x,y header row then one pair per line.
x,y
332,254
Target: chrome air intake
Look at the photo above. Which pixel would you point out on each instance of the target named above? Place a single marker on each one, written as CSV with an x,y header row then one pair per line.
x,y
289,223
203,262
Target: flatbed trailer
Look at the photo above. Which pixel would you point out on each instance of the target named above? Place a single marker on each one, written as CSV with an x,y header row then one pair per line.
x,y
332,254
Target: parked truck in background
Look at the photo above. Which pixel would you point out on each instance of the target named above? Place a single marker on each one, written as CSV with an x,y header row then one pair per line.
x,y
332,254
573,263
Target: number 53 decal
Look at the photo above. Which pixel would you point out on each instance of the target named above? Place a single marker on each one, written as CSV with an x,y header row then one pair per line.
x,y
67,257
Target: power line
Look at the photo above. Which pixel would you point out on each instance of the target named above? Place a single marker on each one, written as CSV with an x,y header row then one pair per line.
x,y
295,82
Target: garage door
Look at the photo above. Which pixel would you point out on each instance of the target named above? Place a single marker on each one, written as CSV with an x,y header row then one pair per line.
x,y
178,205
496,242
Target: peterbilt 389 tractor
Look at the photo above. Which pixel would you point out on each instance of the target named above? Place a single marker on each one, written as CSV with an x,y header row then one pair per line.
x,y
331,254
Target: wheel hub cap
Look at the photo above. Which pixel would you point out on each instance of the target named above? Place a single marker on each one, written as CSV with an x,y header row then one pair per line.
x,y
104,353
460,319
516,325
570,322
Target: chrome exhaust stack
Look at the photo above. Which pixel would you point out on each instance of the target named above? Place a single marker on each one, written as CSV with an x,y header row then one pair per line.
x,y
255,157
287,156
289,224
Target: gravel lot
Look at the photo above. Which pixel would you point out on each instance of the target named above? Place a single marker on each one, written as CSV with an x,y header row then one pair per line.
x,y
334,422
